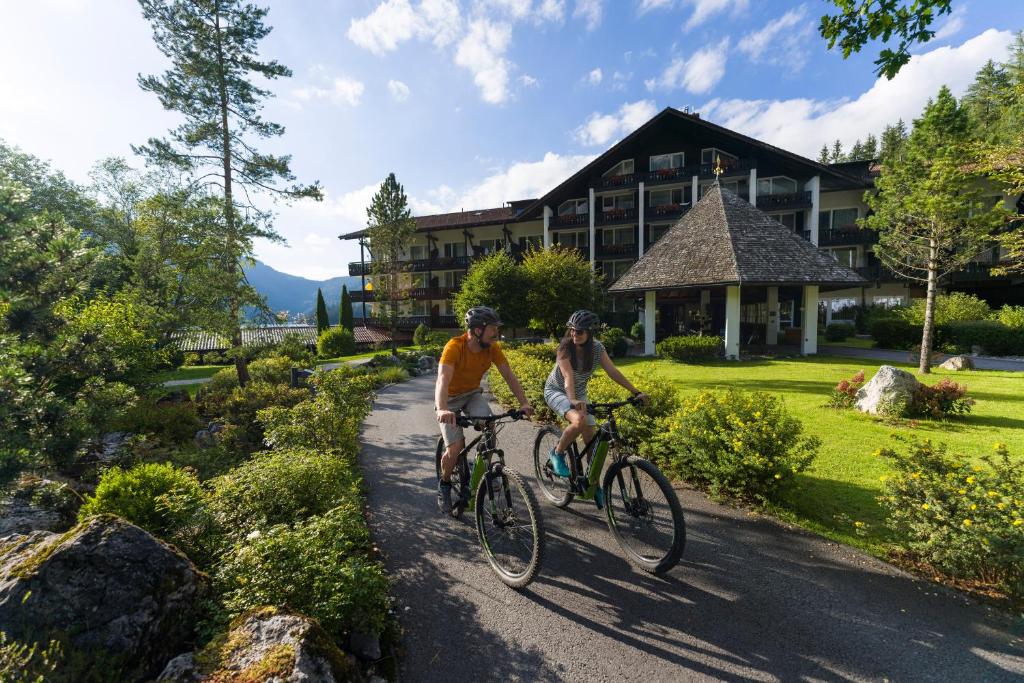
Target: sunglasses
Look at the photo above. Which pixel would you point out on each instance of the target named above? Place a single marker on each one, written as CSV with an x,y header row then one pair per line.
x,y
575,331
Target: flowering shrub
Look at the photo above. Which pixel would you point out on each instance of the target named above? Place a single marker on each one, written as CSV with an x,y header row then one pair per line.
x,y
736,443
844,395
532,372
942,400
967,520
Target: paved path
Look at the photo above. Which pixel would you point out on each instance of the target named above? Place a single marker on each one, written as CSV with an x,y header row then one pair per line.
x,y
751,600
981,363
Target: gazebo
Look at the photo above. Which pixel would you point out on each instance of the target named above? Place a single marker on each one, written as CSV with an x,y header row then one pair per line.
x,y
722,267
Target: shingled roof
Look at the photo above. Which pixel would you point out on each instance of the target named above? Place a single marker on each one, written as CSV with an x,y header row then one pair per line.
x,y
458,219
723,240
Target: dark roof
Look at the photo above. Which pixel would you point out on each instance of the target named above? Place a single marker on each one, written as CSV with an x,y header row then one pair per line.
x,y
866,169
457,219
200,340
723,240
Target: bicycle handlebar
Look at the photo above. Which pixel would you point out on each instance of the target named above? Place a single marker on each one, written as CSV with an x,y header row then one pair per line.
x,y
592,408
469,420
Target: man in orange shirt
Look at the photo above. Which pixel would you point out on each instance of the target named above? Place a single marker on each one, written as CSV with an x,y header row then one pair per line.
x,y
464,362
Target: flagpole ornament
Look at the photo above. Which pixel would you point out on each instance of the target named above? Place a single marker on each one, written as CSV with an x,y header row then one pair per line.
x,y
718,170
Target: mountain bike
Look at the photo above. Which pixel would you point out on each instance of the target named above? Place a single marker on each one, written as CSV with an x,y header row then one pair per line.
x,y
508,518
644,513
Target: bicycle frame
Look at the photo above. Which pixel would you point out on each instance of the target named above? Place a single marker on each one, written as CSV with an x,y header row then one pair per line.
x,y
486,452
606,435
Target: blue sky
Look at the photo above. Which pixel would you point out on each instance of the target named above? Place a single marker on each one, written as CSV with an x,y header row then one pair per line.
x,y
475,102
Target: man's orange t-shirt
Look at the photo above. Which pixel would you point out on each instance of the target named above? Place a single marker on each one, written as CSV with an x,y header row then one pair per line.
x,y
469,367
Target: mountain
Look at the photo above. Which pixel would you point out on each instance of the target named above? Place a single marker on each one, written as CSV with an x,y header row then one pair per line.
x,y
297,295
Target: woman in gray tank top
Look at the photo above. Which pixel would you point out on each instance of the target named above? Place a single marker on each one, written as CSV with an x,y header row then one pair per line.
x,y
565,390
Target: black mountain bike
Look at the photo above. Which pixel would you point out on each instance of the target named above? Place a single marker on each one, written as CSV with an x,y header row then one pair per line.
x,y
508,518
644,514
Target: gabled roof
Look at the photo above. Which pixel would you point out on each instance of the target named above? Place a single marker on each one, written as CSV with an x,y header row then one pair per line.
x,y
459,219
723,240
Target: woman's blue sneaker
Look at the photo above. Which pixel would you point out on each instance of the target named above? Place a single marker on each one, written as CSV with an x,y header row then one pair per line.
x,y
558,464
599,498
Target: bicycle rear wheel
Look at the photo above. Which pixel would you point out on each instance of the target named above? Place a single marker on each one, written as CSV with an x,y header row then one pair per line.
x,y
459,479
644,515
510,526
555,488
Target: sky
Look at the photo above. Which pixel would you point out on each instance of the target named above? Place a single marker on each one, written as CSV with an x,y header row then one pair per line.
x,y
473,103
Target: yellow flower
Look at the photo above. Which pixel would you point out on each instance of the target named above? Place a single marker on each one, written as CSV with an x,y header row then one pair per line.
x,y
976,468
1000,505
1018,522
974,506
998,446
778,476
915,475
970,480
924,506
858,524
961,491
967,522
992,494
884,477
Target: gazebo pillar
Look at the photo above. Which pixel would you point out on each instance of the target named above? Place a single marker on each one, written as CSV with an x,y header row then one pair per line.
x,y
650,304
809,345
771,330
732,322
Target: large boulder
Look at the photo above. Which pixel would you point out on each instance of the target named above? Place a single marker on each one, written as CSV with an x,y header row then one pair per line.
x,y
120,601
266,644
958,363
888,388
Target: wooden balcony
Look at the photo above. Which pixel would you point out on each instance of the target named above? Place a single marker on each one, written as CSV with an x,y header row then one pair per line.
x,y
416,293
782,202
617,217
577,220
665,212
847,234
619,251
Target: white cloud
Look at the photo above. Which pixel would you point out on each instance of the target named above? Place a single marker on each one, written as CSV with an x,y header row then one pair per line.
x,y
620,79
397,21
645,6
341,90
482,51
781,41
528,81
601,129
802,125
550,11
953,24
590,11
315,239
399,90
705,9
594,77
698,74
521,180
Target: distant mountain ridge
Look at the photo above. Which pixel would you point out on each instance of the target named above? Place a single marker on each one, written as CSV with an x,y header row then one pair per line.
x,y
296,294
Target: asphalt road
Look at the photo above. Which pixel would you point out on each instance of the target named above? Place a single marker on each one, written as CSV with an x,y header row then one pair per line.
x,y
751,600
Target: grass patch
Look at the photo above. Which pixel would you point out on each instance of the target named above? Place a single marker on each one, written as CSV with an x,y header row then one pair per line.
x,y
850,342
187,372
840,487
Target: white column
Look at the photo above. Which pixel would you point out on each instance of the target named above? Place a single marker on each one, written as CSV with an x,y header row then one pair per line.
x,y
809,345
771,332
640,216
814,185
593,246
753,187
732,322
650,299
695,192
547,230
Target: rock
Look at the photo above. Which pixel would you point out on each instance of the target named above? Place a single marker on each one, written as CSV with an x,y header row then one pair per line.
x,y
203,439
958,363
364,645
23,517
173,398
889,386
266,644
120,601
427,363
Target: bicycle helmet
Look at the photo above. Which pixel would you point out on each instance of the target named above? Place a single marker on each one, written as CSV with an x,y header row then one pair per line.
x,y
583,320
481,316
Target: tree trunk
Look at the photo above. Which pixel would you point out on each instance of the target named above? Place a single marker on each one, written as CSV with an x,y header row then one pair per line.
x,y
927,334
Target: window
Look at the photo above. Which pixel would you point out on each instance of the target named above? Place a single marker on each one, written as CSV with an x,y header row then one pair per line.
x,y
451,278
490,246
887,301
417,251
613,270
576,239
573,206
665,162
787,219
847,257
622,168
612,236
838,220
452,249
420,307
527,241
843,309
419,280
666,197
618,202
737,187
708,155
786,313
776,185
754,313
657,232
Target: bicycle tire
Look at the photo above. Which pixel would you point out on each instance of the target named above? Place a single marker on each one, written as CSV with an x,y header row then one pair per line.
x,y
533,523
459,479
556,489
626,515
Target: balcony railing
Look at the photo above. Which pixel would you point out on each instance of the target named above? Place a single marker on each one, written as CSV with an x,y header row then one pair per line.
x,y
665,211
411,322
847,234
614,181
616,217
779,202
669,175
419,265
612,250
417,293
569,220
675,175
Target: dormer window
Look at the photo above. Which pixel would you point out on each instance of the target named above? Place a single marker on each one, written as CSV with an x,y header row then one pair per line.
x,y
625,167
573,206
709,155
665,162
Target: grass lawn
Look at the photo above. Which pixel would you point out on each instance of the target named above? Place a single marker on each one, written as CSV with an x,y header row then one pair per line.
x,y
840,487
854,342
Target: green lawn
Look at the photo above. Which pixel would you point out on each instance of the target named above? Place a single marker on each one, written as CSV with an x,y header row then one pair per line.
x,y
855,342
840,487
190,372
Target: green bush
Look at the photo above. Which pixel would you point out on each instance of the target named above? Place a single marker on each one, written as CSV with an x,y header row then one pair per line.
x,y
544,352
689,348
839,331
1011,316
993,337
532,373
24,663
967,520
419,336
391,375
319,567
436,339
735,443
169,423
614,340
637,331
239,408
329,420
865,316
953,307
945,399
335,342
894,333
639,425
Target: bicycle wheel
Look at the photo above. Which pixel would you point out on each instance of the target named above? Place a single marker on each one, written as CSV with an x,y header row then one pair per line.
x,y
459,479
644,514
510,526
555,488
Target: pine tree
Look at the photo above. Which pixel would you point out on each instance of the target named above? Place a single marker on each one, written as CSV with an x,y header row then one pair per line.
x,y
870,149
836,155
389,228
322,323
823,154
986,99
347,318
215,64
856,152
893,138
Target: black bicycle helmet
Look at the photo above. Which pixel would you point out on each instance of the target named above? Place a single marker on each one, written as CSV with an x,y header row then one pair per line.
x,y
481,316
583,320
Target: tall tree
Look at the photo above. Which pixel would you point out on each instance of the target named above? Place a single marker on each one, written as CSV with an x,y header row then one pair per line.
x,y
499,282
346,318
893,138
859,21
213,49
389,228
986,100
836,155
870,149
560,282
930,213
322,323
823,154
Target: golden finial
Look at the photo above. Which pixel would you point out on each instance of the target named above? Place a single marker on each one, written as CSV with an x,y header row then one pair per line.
x,y
718,170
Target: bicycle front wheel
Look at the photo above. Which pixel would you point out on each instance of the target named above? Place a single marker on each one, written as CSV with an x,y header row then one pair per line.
x,y
644,515
510,526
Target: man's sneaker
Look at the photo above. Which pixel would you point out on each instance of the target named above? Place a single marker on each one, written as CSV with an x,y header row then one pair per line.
x,y
444,496
558,464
